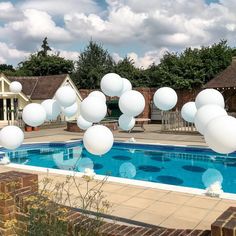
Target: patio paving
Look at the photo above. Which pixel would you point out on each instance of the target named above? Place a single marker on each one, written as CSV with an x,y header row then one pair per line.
x,y
154,206
152,134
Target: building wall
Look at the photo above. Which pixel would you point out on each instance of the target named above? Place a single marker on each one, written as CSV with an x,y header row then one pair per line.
x,y
148,93
23,99
5,94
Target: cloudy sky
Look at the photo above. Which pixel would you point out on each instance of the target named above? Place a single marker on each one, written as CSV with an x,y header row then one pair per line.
x,y
141,29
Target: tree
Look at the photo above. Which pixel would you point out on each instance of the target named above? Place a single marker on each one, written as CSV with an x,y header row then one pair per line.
x,y
192,67
93,63
41,63
126,69
6,69
45,48
216,58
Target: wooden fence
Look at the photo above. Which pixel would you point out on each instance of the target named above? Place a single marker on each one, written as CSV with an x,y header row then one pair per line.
x,y
173,122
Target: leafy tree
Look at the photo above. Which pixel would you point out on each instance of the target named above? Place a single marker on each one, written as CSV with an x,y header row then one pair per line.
x,y
215,59
191,68
46,65
7,69
45,48
126,69
93,63
41,63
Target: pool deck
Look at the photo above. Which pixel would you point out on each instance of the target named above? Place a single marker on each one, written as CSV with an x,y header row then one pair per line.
x,y
154,206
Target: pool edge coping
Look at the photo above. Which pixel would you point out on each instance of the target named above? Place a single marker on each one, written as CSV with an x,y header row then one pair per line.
x,y
140,183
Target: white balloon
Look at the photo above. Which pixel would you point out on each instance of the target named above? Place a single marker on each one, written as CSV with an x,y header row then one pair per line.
x,y
71,110
127,86
165,98
127,170
85,163
205,114
220,134
11,137
211,176
15,87
111,84
93,109
132,103
82,123
126,122
209,96
98,94
34,114
189,111
52,109
98,139
65,96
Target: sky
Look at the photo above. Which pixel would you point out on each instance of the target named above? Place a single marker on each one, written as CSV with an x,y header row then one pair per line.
x,y
141,29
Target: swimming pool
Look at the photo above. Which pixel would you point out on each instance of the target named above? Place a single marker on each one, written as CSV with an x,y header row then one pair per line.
x,y
173,165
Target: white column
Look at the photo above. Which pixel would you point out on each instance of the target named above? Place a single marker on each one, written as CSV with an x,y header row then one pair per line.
x,y
5,108
12,108
2,86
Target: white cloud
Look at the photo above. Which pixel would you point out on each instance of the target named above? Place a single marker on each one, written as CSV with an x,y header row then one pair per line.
x,y
9,12
145,60
38,24
148,58
12,54
122,25
71,55
150,25
32,28
116,57
61,7
170,23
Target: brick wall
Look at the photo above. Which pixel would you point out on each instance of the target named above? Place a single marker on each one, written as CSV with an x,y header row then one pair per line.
x,y
17,187
13,185
148,93
225,225
183,97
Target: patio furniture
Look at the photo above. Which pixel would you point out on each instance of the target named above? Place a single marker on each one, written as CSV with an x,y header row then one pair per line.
x,y
139,122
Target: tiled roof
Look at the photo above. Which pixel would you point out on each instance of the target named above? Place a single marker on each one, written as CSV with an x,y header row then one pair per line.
x,y
39,87
226,79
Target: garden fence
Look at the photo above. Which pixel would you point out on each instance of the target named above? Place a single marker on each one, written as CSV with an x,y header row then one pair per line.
x,y
172,121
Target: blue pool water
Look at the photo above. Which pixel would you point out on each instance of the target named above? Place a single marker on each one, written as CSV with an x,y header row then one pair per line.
x,y
182,166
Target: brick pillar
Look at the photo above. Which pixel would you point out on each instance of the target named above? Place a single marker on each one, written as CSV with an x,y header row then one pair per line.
x,y
225,224
12,185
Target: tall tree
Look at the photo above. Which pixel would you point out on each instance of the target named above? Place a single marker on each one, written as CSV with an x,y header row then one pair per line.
x,y
93,63
41,63
137,76
44,48
192,67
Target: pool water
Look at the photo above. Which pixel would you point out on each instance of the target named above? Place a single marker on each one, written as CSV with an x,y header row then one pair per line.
x,y
174,165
